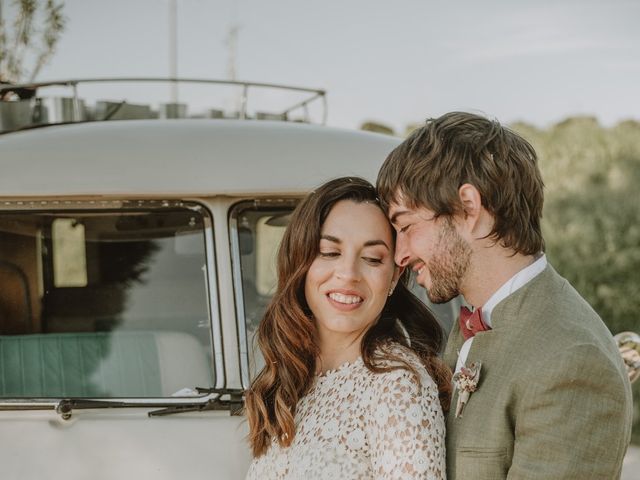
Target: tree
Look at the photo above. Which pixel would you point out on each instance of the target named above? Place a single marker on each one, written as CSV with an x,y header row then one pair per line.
x,y
33,34
591,220
377,127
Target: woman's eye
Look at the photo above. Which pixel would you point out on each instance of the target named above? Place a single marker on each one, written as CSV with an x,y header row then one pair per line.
x,y
404,229
372,260
328,254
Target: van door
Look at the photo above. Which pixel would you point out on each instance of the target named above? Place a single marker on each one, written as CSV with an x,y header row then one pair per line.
x,y
109,324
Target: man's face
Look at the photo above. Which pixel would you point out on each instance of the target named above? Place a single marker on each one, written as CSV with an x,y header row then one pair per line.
x,y
432,248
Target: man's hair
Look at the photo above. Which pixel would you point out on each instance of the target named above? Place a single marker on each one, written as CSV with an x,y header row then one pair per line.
x,y
430,166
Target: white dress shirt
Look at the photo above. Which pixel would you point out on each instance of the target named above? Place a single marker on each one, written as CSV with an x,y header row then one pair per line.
x,y
514,283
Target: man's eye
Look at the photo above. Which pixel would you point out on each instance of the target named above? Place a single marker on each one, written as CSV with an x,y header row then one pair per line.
x,y
404,229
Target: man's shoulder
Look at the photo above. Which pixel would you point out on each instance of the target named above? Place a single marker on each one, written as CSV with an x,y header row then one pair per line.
x,y
550,302
548,318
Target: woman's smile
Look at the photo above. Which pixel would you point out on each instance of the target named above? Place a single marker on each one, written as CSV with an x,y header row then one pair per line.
x,y
345,300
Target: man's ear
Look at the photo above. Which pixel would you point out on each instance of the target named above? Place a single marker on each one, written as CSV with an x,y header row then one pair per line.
x,y
472,205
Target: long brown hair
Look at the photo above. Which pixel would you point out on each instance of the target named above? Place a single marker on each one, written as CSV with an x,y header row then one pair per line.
x,y
286,335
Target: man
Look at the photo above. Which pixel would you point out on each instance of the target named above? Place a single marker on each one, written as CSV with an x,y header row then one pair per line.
x,y
552,399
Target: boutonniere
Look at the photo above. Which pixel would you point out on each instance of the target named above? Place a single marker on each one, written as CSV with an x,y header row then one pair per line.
x,y
466,381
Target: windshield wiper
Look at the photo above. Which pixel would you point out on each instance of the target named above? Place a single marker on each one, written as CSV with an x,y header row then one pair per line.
x,y
233,403
66,406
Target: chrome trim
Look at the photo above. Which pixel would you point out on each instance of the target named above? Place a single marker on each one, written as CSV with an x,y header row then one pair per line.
x,y
47,403
236,266
89,204
213,295
75,81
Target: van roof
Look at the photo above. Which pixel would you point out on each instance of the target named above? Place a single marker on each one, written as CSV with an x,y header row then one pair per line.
x,y
184,157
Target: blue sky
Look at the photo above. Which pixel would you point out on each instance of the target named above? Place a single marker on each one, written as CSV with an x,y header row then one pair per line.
x,y
392,61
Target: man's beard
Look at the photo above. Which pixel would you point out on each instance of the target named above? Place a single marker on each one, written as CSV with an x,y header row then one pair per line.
x,y
449,265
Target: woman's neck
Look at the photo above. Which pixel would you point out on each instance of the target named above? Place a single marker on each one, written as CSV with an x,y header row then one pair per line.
x,y
337,349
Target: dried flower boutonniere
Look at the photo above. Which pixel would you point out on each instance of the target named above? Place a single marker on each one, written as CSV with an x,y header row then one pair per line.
x,y
466,381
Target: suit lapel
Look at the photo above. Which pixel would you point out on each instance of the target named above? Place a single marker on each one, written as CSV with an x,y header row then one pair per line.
x,y
454,343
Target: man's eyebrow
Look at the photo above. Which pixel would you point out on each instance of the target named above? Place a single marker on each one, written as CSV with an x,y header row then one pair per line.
x,y
394,217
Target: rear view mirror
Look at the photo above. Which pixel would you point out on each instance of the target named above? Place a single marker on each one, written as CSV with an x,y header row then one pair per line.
x,y
245,240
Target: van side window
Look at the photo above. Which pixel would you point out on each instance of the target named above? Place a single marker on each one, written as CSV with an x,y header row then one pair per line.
x,y
109,303
256,232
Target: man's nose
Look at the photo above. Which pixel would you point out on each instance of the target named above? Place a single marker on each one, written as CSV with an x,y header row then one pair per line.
x,y
402,256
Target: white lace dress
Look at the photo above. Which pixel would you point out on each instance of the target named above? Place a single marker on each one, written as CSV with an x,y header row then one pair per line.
x,y
355,424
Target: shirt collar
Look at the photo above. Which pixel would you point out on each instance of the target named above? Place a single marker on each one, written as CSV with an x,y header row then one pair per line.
x,y
520,279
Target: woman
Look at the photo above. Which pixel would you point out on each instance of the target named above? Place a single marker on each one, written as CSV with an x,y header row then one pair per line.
x,y
352,387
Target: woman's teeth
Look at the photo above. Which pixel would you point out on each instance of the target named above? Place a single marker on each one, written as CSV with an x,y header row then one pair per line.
x,y
348,299
420,270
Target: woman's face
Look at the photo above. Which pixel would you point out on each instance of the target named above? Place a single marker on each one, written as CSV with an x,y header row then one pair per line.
x,y
347,284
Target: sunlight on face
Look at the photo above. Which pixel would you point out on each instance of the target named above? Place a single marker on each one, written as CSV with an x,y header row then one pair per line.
x,y
348,283
432,248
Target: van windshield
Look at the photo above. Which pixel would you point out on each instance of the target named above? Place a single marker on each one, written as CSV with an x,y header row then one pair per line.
x,y
104,302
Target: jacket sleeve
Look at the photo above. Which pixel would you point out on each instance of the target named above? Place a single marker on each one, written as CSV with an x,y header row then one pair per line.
x,y
573,419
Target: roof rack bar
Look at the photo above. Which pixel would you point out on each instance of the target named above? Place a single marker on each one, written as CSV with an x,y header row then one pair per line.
x,y
243,102
243,113
68,83
301,104
76,102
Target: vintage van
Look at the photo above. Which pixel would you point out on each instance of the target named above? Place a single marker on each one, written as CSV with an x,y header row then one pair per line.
x,y
136,258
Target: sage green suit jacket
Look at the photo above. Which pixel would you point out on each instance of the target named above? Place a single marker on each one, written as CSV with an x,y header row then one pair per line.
x,y
553,400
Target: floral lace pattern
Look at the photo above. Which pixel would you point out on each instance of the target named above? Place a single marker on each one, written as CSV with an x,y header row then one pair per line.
x,y
356,424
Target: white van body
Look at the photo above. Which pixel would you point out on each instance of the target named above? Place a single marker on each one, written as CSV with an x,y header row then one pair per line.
x,y
88,174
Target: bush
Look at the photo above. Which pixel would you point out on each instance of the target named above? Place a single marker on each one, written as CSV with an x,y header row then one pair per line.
x,y
591,217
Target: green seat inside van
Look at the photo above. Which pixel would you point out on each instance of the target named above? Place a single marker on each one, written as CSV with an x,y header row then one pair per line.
x,y
102,364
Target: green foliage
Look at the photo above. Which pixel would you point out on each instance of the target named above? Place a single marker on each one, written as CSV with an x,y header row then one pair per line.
x,y
592,212
377,127
33,34
411,127
591,218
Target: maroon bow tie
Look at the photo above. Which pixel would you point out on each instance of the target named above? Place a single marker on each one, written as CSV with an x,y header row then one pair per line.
x,y
471,322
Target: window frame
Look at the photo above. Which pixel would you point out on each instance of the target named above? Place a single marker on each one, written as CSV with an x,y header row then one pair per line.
x,y
213,303
235,210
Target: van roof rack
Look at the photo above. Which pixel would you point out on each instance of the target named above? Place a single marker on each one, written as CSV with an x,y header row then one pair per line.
x,y
23,105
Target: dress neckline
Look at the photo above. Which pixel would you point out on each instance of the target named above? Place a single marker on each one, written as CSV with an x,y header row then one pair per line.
x,y
346,366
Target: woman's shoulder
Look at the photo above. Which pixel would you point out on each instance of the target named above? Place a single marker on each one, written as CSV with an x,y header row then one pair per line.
x,y
405,390
401,366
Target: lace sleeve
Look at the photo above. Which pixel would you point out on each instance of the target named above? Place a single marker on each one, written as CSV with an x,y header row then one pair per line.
x,y
406,429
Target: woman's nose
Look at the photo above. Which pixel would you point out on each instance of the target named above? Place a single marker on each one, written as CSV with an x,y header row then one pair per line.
x,y
347,269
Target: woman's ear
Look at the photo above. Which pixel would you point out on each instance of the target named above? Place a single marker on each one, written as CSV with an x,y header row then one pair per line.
x,y
396,276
